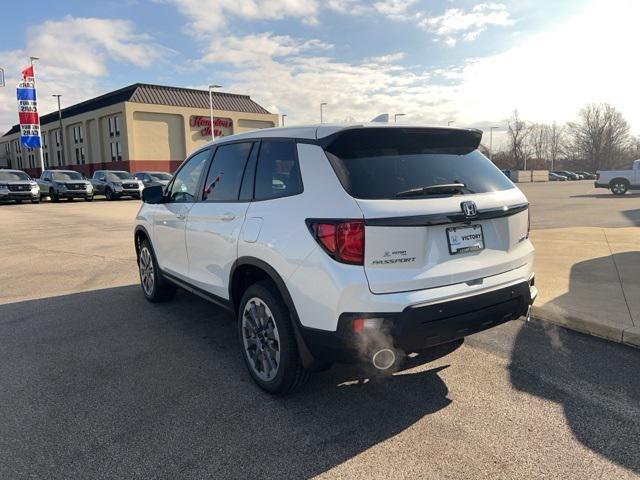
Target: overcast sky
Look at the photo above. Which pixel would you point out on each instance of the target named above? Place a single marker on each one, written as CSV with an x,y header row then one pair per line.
x,y
468,61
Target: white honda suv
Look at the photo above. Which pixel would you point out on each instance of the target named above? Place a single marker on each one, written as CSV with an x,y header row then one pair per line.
x,y
340,243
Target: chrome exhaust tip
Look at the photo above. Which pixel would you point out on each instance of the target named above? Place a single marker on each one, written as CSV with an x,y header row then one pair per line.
x,y
383,359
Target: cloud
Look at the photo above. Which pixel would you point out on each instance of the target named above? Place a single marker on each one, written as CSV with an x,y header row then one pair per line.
x,y
456,23
394,9
551,75
208,16
258,48
74,53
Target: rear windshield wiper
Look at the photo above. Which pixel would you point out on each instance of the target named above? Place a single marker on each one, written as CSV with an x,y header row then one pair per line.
x,y
433,189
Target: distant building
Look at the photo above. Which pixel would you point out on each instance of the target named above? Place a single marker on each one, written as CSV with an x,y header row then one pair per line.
x,y
139,127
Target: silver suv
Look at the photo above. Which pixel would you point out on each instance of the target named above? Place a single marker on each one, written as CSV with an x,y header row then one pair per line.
x,y
17,185
57,184
114,184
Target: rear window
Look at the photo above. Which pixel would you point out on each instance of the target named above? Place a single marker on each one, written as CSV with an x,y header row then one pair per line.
x,y
380,163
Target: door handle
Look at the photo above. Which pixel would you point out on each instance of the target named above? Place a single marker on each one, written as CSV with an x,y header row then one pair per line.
x,y
227,217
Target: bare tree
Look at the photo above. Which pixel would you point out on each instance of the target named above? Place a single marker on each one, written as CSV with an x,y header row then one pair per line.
x,y
557,143
517,132
538,139
601,136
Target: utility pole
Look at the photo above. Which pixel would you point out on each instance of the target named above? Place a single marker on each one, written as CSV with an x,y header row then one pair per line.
x,y
395,117
211,87
32,59
61,130
321,107
491,129
283,116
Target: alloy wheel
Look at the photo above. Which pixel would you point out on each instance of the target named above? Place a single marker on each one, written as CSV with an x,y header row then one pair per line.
x,y
146,271
261,339
618,188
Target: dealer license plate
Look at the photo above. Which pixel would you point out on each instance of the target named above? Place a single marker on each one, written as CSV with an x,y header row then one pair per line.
x,y
465,239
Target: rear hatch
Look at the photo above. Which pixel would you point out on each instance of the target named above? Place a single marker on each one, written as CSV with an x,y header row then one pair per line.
x,y
437,212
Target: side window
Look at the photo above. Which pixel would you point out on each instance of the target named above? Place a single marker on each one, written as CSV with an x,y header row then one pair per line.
x,y
246,189
185,183
225,174
99,176
277,174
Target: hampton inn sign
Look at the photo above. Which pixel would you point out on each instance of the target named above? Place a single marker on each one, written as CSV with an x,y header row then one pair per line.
x,y
222,126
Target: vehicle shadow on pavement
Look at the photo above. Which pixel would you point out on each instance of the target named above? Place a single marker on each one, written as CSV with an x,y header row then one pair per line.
x,y
105,384
596,382
595,290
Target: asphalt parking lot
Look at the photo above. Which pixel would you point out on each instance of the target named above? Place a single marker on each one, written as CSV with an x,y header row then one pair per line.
x,y
98,383
579,204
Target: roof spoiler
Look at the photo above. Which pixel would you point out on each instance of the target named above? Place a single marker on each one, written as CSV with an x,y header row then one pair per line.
x,y
356,142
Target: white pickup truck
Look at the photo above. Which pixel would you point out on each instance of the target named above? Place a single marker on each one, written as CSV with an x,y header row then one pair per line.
x,y
619,181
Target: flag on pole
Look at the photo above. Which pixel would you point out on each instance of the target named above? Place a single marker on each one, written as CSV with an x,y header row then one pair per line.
x,y
28,110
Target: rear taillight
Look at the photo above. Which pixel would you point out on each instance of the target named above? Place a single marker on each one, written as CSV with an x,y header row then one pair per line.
x,y
342,239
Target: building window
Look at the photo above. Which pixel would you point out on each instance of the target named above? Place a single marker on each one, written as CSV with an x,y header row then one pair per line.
x,y
59,158
116,151
114,126
82,156
77,156
44,140
46,159
78,136
57,138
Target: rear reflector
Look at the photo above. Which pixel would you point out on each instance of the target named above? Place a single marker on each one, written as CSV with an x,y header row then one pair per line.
x,y
342,239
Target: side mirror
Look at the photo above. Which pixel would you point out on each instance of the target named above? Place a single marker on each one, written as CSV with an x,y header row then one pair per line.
x,y
154,194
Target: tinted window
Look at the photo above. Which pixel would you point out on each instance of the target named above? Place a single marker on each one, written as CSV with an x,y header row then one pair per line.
x,y
159,176
246,190
64,176
185,184
225,174
115,176
277,174
13,176
379,164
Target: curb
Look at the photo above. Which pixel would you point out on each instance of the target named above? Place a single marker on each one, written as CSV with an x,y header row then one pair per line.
x,y
598,328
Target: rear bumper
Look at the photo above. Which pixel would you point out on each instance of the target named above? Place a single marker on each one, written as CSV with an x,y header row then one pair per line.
x,y
422,325
600,185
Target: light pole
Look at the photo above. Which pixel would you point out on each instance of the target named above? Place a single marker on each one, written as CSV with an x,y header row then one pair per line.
x,y
395,117
450,122
211,88
283,116
61,130
31,60
491,129
321,107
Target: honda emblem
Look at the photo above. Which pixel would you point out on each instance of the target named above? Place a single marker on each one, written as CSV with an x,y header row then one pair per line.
x,y
469,209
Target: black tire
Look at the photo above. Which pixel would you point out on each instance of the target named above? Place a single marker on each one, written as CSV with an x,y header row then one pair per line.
x,y
37,200
54,196
109,194
160,290
619,186
289,374
88,199
18,202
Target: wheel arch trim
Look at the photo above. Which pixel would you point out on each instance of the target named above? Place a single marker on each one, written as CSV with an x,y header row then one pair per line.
x,y
306,356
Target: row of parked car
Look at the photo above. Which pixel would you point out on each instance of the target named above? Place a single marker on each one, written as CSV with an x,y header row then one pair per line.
x,y
18,186
564,175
